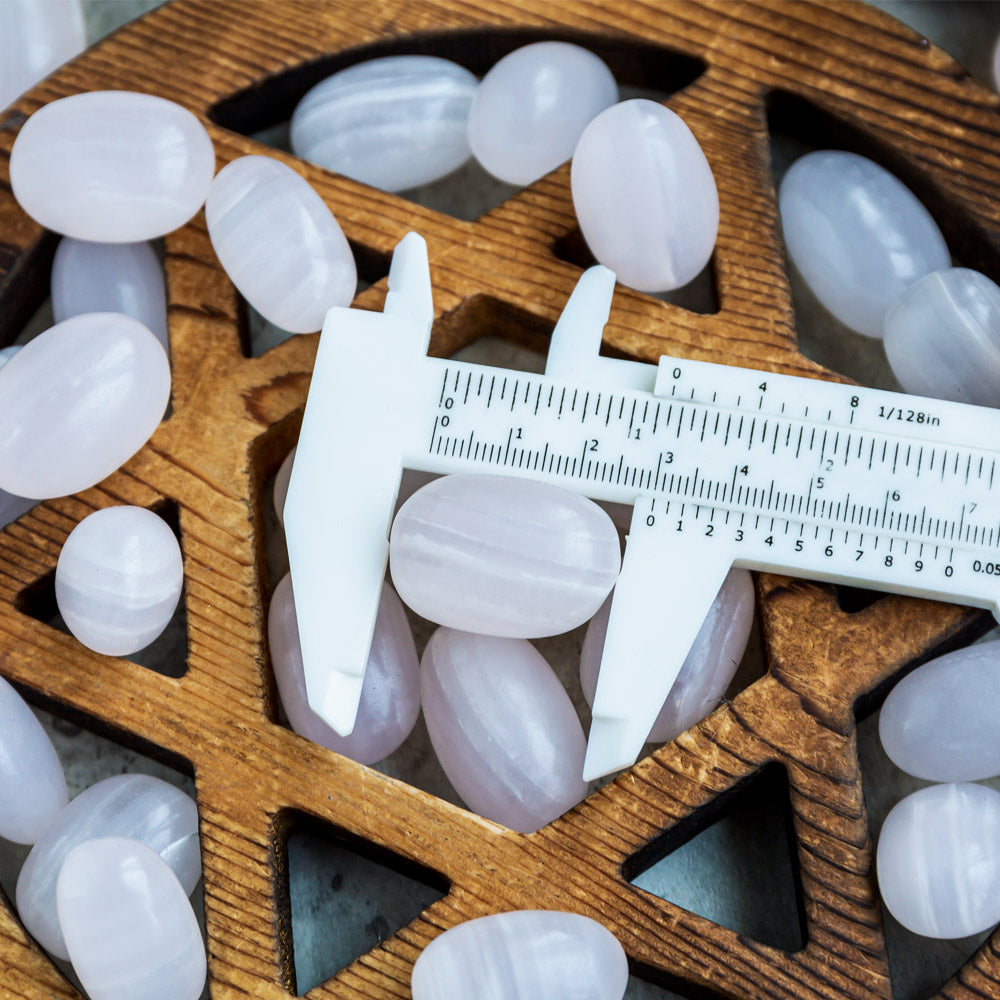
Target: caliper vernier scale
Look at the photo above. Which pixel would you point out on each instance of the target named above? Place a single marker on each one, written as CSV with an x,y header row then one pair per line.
x,y
724,466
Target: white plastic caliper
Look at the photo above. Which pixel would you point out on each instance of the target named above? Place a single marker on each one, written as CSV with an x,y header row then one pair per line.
x,y
724,466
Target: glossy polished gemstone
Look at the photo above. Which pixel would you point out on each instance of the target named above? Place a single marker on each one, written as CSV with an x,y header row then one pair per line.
x,y
503,728
118,579
110,277
35,38
939,860
503,556
112,166
523,955
858,235
129,927
279,243
645,196
532,106
390,698
126,805
942,337
32,784
940,722
393,123
78,401
708,668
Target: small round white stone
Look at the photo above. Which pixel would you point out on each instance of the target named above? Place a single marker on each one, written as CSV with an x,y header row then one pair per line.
x,y
32,784
645,196
126,805
78,401
118,579
110,277
128,925
532,106
523,955
858,235
394,122
112,166
942,337
939,860
279,243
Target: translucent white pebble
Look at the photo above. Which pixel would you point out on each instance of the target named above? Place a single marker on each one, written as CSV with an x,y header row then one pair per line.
x,y
126,805
35,38
709,667
110,277
78,401
112,166
32,784
503,728
394,122
942,337
390,698
940,723
939,860
645,196
129,927
532,106
523,955
858,236
279,243
503,556
118,579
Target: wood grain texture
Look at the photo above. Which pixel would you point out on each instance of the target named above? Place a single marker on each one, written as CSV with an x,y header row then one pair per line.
x,y
843,69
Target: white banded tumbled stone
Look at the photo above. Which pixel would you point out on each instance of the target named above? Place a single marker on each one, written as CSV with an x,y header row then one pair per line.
x,y
503,728
112,166
118,578
32,784
128,924
645,196
523,955
126,805
279,243
939,860
110,277
503,556
390,698
708,668
942,337
532,106
941,723
858,235
77,401
393,122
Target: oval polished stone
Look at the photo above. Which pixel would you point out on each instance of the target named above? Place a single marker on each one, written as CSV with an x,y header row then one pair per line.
x,y
78,401
708,668
940,722
394,122
523,955
390,697
503,728
112,166
645,196
532,106
858,236
118,579
503,556
939,860
126,805
279,243
129,927
32,783
942,337
110,277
